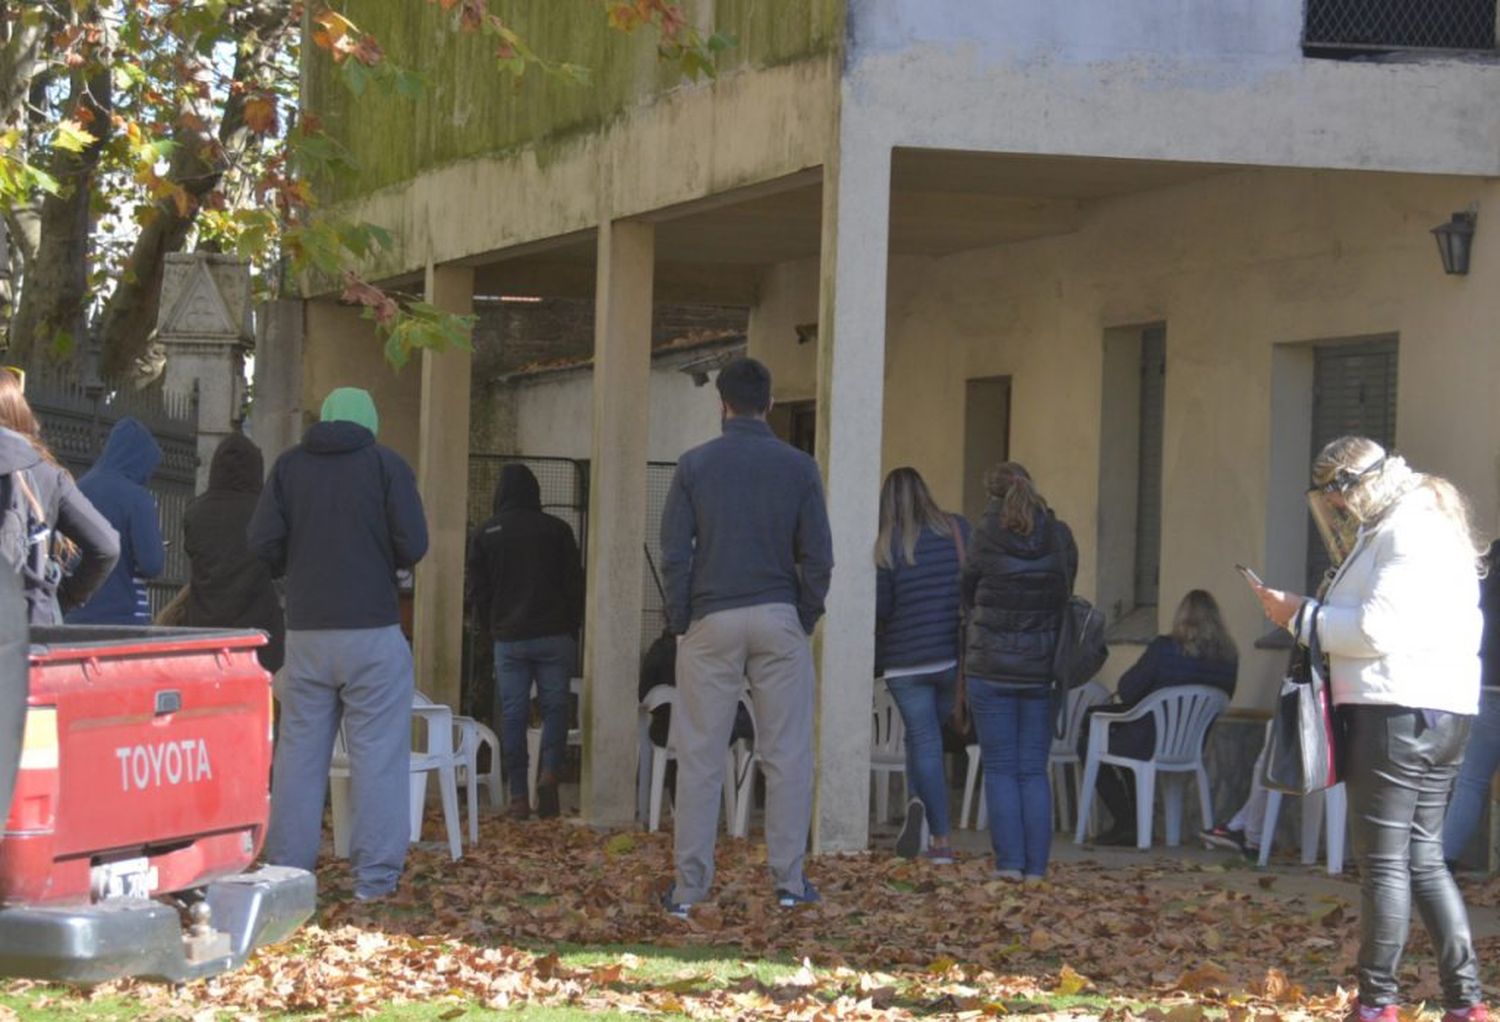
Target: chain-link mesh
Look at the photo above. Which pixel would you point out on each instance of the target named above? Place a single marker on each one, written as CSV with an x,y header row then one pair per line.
x,y
1400,24
653,615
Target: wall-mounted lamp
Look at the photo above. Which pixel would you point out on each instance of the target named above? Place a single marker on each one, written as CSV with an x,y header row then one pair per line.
x,y
1454,240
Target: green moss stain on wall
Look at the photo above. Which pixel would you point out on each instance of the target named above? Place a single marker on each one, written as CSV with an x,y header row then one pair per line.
x,y
469,108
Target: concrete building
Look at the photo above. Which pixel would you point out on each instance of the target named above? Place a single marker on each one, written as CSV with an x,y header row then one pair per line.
x,y
1155,251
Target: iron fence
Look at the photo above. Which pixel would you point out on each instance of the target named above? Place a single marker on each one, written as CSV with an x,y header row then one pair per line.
x,y
1399,25
76,420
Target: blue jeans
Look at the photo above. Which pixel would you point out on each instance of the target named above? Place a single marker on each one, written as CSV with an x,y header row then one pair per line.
x,y
925,701
1472,789
549,662
1015,739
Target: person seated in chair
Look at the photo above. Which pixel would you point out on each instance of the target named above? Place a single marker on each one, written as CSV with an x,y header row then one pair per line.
x,y
1199,651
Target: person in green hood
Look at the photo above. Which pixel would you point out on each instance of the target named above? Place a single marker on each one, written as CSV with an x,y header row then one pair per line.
x,y
338,518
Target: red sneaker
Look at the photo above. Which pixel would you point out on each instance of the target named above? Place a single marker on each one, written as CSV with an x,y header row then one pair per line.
x,y
1474,1013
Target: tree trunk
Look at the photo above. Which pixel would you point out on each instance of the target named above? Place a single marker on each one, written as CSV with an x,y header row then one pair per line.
x,y
199,165
52,318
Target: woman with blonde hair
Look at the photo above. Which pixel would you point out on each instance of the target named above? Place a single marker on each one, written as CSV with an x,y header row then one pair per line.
x,y
1198,651
1016,580
1401,626
72,548
917,559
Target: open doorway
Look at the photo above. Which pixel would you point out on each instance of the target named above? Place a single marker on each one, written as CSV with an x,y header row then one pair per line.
x,y
986,437
796,422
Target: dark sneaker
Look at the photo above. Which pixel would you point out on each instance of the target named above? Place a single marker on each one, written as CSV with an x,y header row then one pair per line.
x,y
940,856
809,896
675,909
909,841
519,809
1223,837
1473,1013
547,805
1361,1013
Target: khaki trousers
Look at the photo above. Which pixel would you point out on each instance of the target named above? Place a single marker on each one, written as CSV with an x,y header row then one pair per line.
x,y
765,647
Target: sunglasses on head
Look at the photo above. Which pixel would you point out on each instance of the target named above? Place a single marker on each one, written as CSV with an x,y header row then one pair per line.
x,y
1346,478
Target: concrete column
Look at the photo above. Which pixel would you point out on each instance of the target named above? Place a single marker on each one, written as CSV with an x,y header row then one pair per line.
x,y
443,478
851,381
617,519
276,414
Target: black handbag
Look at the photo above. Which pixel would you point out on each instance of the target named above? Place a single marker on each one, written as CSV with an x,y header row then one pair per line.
x,y
1302,746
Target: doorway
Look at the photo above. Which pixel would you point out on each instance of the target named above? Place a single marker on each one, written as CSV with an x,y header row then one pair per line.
x,y
986,437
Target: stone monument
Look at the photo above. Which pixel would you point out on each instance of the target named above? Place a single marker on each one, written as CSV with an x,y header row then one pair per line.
x,y
203,323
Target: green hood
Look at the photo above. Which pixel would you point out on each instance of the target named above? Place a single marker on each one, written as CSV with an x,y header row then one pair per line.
x,y
350,404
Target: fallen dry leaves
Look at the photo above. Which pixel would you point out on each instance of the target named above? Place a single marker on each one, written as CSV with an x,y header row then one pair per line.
x,y
892,940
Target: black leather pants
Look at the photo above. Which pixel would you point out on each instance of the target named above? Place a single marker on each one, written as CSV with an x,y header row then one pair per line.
x,y
1399,769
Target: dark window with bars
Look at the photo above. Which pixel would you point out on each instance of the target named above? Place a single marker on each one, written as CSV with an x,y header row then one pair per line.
x,y
1354,394
1339,26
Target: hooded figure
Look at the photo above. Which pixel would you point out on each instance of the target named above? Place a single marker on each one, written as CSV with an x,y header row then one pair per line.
x,y
525,582
228,586
116,486
339,517
68,513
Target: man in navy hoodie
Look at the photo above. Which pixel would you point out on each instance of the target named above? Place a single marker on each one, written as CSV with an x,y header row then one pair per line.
x,y
116,486
339,517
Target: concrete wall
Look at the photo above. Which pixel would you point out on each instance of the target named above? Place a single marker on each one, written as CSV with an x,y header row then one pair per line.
x,y
554,414
1221,83
1234,265
788,299
341,349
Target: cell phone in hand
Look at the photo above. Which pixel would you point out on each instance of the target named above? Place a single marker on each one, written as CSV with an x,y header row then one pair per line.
x,y
1250,576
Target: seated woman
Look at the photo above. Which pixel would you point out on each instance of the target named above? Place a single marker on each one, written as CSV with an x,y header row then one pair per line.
x,y
1198,651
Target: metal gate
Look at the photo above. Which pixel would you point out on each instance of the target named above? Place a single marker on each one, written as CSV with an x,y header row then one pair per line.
x,y
75,421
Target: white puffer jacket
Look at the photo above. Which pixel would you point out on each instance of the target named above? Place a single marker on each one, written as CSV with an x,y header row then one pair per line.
x,y
1401,623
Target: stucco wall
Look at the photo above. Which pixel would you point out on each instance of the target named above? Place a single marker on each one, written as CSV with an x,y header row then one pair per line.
x,y
788,296
341,349
554,414
1233,265
1223,82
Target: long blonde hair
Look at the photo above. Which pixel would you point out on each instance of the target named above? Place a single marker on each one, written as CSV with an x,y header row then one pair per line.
x,y
1198,627
906,508
1372,480
1010,486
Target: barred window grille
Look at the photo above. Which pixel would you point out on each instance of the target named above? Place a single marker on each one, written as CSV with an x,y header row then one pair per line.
x,y
1399,25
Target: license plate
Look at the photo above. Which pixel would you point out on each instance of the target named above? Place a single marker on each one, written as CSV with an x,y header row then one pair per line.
x,y
127,878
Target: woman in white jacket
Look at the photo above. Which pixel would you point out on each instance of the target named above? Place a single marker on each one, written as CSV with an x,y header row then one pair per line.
x,y
1401,625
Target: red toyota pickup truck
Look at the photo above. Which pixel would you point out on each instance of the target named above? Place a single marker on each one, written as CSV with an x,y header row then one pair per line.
x,y
140,800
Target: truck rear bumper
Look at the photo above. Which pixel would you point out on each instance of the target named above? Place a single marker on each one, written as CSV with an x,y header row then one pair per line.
x,y
113,939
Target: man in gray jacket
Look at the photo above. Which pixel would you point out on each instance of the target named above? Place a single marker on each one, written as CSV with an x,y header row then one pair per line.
x,y
747,557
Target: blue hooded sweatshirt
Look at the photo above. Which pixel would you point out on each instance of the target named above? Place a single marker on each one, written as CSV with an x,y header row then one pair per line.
x,y
116,486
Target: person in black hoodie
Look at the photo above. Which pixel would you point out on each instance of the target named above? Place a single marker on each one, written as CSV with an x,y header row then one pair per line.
x,y
339,517
1018,576
229,587
525,581
66,565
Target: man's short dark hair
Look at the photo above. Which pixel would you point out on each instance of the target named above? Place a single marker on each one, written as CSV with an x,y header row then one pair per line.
x,y
745,386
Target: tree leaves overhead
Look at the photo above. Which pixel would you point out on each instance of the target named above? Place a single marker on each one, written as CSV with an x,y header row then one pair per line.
x,y
134,128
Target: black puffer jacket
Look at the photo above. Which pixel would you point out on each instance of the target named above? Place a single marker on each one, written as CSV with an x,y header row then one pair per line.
x,y
1014,587
230,587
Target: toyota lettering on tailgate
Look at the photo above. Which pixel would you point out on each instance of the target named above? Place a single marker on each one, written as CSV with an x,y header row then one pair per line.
x,y
184,761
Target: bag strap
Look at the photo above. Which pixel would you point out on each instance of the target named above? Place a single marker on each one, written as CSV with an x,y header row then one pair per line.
x,y
24,481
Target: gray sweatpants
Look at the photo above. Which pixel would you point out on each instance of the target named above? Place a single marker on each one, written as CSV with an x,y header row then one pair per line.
x,y
362,677
767,647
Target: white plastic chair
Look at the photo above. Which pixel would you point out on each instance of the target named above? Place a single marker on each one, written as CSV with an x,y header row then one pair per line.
x,y
666,695
1182,715
887,750
534,743
436,757
472,736
1064,754
1331,805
